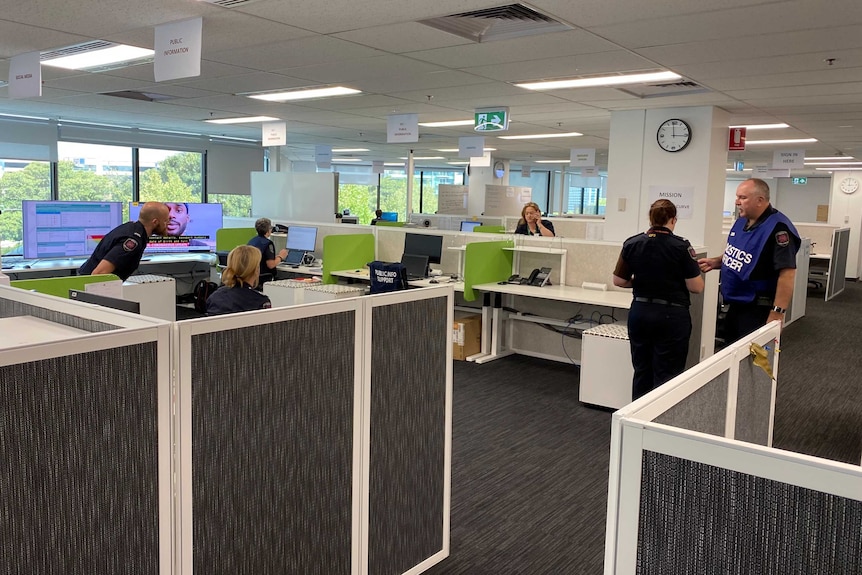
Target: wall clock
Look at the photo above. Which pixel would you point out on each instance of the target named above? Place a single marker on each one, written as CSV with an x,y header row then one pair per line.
x,y
673,135
849,185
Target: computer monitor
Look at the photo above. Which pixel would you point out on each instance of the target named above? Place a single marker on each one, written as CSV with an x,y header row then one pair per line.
x,y
424,245
468,225
302,238
191,228
349,220
389,216
55,229
105,301
416,266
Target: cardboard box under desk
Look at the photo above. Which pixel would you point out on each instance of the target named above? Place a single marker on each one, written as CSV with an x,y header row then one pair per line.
x,y
466,335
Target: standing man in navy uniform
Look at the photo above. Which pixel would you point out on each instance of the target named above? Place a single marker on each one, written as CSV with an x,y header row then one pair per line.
x,y
662,269
121,249
758,266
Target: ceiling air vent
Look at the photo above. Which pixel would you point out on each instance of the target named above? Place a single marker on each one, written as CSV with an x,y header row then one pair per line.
x,y
499,23
664,89
142,96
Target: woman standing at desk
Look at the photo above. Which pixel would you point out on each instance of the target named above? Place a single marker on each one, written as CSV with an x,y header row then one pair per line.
x,y
240,279
662,268
532,224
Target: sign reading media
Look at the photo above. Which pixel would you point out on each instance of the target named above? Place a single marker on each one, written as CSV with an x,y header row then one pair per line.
x,y
491,120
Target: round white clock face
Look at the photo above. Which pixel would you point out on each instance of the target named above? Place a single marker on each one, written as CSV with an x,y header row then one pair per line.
x,y
849,185
673,135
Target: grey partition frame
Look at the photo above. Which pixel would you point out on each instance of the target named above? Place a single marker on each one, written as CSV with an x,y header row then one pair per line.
x,y
695,488
313,440
85,422
835,281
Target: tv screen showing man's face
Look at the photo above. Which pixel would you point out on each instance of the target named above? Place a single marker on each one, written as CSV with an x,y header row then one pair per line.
x,y
179,218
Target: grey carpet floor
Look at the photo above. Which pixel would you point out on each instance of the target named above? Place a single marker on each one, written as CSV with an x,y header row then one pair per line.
x,y
530,463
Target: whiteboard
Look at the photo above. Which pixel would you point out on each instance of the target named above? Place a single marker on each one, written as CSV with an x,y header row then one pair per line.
x,y
452,199
293,196
506,200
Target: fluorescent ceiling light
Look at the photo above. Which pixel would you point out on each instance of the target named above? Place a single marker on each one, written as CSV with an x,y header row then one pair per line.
x,y
302,94
839,169
447,123
60,122
114,54
850,163
339,160
762,126
426,158
20,117
174,132
349,150
458,163
839,158
234,138
537,136
247,120
553,161
615,80
397,164
742,170
459,149
773,142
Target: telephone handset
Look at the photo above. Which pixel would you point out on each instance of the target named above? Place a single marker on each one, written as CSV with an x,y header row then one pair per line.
x,y
538,277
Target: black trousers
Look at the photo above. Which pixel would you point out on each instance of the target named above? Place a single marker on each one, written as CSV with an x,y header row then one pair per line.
x,y
658,337
742,319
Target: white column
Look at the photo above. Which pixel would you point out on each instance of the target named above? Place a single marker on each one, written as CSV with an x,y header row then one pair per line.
x,y
845,211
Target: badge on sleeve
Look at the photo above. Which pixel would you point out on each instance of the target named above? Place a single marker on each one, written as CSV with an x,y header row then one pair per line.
x,y
782,238
130,244
692,253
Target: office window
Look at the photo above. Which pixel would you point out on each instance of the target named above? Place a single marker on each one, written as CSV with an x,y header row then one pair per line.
x,y
19,180
538,181
357,191
426,183
167,175
393,192
94,172
583,195
233,205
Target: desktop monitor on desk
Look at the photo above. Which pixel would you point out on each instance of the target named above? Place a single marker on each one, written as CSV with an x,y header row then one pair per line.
x,y
424,245
55,229
416,266
467,225
389,216
192,227
105,301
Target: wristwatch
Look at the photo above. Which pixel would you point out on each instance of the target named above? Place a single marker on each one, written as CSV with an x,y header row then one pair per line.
x,y
779,309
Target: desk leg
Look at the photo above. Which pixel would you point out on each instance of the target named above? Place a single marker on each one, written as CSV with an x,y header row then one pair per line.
x,y
486,329
497,325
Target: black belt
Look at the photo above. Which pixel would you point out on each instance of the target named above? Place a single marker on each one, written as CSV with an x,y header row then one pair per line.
x,y
658,301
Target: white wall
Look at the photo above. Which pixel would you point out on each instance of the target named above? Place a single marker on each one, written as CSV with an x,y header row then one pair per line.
x,y
799,203
845,210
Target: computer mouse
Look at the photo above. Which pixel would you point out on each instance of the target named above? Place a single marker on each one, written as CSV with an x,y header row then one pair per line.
x,y
434,282
27,267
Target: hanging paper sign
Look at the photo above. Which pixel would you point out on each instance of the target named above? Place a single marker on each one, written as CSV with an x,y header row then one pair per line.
x,y
592,171
525,171
402,128
323,156
789,159
583,157
471,146
178,50
274,134
377,167
25,76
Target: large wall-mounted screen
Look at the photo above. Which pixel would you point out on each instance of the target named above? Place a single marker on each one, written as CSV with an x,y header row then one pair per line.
x,y
55,229
192,227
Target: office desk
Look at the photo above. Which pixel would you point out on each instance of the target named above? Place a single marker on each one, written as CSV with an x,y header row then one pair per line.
x,y
362,275
496,322
29,330
288,270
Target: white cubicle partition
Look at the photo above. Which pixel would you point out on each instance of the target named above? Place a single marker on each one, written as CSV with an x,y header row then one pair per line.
x,y
312,441
85,420
694,486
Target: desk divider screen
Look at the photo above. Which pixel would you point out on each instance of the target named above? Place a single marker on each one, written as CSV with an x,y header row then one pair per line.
x,y
60,286
229,238
390,224
490,229
346,252
486,262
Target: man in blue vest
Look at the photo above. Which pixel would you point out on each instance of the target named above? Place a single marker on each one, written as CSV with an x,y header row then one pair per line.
x,y
758,266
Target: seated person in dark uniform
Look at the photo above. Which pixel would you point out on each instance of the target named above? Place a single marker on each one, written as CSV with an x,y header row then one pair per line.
x,y
240,279
378,215
268,258
121,249
532,224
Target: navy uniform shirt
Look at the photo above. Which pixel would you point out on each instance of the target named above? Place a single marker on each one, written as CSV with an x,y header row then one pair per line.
x,y
658,263
524,229
123,246
235,299
267,251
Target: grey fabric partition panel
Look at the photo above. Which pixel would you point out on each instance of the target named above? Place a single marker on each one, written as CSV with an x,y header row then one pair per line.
x,y
10,308
79,474
701,520
408,395
754,401
705,410
272,455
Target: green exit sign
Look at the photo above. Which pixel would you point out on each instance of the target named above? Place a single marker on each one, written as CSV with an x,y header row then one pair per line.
x,y
800,181
491,120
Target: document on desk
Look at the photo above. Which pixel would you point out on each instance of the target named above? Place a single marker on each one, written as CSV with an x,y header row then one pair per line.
x,y
112,288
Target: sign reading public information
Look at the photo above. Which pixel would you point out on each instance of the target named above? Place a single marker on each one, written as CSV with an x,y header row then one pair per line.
x,y
491,120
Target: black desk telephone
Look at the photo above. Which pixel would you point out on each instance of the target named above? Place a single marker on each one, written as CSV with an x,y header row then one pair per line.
x,y
538,277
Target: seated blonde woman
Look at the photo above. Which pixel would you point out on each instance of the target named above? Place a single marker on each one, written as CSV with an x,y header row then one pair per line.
x,y
239,279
